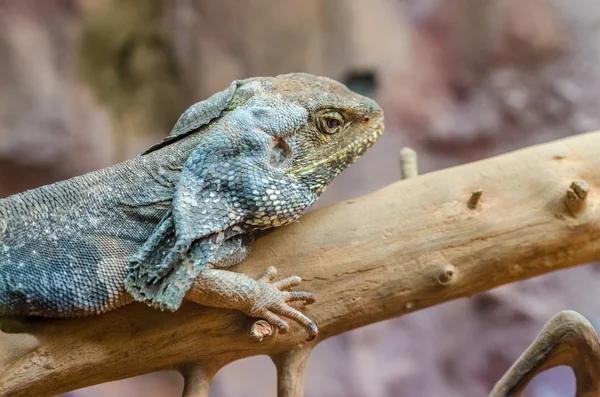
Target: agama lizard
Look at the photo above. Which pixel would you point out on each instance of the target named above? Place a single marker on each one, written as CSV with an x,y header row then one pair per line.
x,y
167,224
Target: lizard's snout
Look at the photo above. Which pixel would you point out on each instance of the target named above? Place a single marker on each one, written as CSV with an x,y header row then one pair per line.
x,y
373,118
373,112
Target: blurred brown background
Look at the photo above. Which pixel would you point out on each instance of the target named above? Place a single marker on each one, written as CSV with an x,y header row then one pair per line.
x,y
87,83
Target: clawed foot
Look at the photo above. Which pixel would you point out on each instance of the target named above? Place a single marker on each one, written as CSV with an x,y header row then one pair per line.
x,y
269,301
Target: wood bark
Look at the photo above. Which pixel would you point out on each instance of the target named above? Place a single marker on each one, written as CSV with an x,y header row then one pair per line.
x,y
415,243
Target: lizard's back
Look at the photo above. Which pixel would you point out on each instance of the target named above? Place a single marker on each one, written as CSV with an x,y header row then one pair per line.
x,y
64,247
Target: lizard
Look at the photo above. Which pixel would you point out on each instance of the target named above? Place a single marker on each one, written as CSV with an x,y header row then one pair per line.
x,y
168,224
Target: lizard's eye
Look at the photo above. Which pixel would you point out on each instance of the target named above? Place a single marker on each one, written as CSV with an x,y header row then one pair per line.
x,y
330,122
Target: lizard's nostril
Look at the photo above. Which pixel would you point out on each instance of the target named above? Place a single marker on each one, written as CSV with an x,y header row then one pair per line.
x,y
367,119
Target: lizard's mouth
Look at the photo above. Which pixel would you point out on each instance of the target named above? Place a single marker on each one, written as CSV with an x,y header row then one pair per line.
x,y
359,146
349,153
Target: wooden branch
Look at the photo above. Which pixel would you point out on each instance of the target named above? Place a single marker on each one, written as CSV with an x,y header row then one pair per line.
x,y
197,378
408,163
411,245
567,339
290,371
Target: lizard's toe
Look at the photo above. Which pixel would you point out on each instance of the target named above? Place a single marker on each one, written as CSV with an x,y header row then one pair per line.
x,y
287,283
269,275
273,319
294,296
289,312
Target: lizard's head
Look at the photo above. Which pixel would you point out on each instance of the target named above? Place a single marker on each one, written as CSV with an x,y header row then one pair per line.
x,y
330,126
341,126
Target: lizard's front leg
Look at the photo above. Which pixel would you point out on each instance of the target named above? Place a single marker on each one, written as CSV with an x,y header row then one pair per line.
x,y
262,298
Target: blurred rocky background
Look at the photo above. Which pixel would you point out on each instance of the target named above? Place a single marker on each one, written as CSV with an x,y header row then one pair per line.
x,y
88,83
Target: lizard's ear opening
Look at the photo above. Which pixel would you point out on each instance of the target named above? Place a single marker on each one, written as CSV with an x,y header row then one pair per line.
x,y
281,154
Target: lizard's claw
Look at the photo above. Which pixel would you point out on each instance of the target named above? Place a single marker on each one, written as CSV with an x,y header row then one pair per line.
x,y
269,301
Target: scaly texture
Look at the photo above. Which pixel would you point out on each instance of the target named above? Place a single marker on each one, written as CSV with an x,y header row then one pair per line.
x,y
163,226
